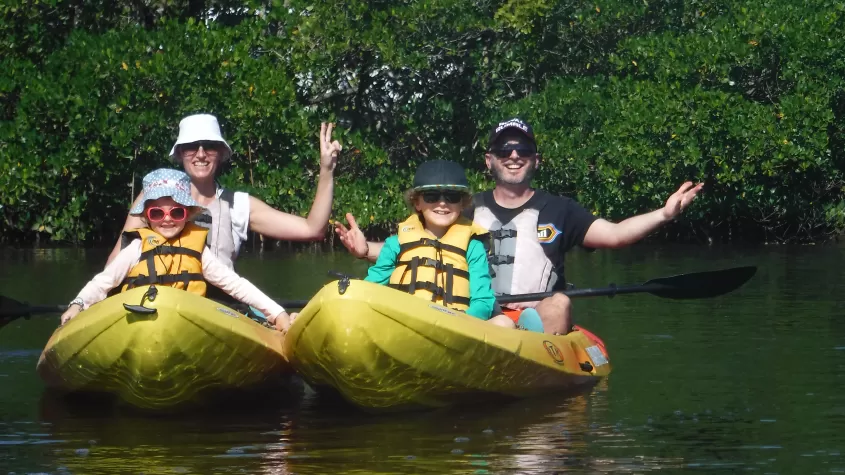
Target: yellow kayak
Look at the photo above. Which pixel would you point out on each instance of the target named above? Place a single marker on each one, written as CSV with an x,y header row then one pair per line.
x,y
385,349
190,348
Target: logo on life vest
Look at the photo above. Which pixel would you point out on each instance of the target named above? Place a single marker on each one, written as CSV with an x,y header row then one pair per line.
x,y
547,233
408,228
553,351
152,241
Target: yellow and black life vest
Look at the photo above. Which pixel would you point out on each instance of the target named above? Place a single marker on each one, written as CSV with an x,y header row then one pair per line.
x,y
435,269
176,262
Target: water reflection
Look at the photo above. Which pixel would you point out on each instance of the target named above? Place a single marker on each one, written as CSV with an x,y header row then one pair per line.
x,y
318,434
98,437
513,437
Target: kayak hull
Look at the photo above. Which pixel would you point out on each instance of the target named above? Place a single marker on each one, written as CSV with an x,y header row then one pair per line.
x,y
383,349
190,348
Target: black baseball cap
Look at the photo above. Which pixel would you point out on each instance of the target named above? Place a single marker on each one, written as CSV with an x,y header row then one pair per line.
x,y
440,174
511,124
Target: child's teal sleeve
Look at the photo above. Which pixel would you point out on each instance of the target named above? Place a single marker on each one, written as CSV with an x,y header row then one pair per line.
x,y
385,264
481,297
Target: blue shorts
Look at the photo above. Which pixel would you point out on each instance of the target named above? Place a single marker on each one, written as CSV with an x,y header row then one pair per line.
x,y
530,320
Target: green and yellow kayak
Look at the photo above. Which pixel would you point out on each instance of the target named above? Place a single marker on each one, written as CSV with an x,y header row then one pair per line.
x,y
190,348
386,349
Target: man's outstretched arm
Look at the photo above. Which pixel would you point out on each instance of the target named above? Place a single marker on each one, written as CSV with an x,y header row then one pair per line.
x,y
604,234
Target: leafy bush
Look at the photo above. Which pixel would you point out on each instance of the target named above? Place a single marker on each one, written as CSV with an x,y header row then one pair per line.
x,y
628,99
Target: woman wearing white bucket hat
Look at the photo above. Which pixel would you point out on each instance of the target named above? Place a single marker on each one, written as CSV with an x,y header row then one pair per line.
x,y
201,150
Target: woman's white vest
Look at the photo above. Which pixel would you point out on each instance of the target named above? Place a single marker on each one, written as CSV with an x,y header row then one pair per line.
x,y
217,218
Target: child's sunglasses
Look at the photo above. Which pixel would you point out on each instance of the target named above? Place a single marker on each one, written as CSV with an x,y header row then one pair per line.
x,y
449,196
176,213
522,152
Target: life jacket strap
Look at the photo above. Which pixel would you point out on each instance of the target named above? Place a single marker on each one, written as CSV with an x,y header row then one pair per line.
x,y
448,298
429,262
141,280
436,291
412,287
171,251
432,243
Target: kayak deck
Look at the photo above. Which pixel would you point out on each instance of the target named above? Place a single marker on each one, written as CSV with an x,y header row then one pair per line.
x,y
385,349
189,347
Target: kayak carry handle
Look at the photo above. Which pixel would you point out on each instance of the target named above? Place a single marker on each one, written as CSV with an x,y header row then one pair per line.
x,y
139,309
343,283
150,295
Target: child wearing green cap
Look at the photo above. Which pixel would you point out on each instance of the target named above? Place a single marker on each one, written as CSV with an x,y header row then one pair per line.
x,y
437,253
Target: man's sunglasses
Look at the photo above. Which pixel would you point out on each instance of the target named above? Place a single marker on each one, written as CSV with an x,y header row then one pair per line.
x,y
522,152
436,196
176,213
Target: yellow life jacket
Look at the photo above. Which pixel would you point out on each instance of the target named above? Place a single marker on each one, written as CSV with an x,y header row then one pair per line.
x,y
176,262
435,269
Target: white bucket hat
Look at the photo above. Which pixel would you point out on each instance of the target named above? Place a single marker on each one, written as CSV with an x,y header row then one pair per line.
x,y
200,127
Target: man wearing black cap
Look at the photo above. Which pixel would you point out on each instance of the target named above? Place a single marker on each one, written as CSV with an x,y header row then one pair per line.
x,y
533,230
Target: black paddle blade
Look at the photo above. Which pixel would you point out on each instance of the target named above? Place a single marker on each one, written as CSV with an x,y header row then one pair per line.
x,y
701,285
11,309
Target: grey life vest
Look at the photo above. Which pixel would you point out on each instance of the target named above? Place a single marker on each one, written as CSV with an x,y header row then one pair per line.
x,y
217,218
517,260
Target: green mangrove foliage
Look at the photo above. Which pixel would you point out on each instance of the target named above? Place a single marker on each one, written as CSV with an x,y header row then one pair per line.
x,y
629,98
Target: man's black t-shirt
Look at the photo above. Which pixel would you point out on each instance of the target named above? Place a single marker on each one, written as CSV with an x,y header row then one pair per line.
x,y
561,224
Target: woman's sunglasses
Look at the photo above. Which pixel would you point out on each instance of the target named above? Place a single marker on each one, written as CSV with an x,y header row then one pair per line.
x,y
522,152
436,196
207,145
176,213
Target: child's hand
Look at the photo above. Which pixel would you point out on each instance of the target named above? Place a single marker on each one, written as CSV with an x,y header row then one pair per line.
x,y
353,238
71,312
282,322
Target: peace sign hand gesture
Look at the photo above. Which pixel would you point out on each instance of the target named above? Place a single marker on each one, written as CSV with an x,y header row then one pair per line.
x,y
328,150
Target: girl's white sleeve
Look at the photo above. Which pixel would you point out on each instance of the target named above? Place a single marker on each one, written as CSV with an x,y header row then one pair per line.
x,y
114,273
217,273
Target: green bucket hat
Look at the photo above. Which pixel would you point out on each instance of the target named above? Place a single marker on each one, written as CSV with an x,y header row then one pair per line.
x,y
440,175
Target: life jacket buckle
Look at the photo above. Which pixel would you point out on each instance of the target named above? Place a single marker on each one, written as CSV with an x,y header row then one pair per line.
x,y
433,243
503,233
429,262
499,259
